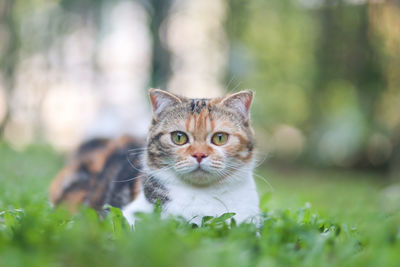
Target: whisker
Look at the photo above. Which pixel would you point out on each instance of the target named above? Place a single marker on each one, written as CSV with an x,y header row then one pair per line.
x,y
130,163
223,204
239,169
229,83
137,149
265,180
236,87
127,180
138,153
260,162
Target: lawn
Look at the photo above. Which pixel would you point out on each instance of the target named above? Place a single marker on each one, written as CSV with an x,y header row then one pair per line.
x,y
311,218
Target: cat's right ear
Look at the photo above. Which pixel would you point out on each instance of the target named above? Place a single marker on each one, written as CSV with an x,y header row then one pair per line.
x,y
160,100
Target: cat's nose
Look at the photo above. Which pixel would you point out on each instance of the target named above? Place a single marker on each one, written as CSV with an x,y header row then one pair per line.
x,y
199,156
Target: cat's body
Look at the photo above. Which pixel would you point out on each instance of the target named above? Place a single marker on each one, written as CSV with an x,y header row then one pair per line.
x,y
101,172
198,161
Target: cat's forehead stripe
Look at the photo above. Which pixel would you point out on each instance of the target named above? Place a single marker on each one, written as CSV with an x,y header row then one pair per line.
x,y
200,123
209,125
198,104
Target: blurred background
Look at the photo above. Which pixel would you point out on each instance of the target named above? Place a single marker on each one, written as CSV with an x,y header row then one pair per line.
x,y
326,72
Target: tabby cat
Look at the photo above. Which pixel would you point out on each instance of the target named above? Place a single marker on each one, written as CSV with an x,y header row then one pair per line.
x,y
198,161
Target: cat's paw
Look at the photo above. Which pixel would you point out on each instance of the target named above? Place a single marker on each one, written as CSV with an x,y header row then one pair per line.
x,y
129,216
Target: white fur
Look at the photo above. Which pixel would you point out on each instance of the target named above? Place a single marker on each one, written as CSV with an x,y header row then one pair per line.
x,y
234,194
140,204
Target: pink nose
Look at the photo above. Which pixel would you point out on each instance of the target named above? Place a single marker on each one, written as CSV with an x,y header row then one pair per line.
x,y
199,156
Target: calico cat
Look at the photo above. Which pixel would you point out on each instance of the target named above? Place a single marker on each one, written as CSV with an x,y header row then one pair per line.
x,y
198,161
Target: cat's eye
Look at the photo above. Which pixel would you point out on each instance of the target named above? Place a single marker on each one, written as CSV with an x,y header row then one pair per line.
x,y
179,138
220,139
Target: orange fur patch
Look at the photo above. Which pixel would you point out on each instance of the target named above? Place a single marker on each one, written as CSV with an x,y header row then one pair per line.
x,y
62,180
136,188
73,199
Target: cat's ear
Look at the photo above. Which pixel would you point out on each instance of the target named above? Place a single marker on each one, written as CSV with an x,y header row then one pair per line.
x,y
161,99
240,102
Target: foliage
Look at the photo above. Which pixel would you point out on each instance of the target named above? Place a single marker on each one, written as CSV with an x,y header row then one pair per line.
x,y
34,234
320,68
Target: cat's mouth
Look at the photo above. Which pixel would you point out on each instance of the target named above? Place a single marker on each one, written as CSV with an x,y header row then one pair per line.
x,y
200,169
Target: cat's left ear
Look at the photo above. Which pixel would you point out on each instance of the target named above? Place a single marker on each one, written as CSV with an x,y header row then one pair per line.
x,y
161,100
240,102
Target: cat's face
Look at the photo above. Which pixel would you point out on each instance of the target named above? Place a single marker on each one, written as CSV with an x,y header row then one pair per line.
x,y
201,141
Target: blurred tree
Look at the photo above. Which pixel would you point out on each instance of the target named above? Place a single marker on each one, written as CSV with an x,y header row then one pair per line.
x,y
347,63
236,23
318,67
384,21
9,53
161,70
158,11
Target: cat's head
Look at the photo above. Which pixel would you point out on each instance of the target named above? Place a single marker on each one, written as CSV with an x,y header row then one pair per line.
x,y
201,141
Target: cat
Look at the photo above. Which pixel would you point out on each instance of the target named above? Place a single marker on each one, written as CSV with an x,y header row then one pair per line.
x,y
198,161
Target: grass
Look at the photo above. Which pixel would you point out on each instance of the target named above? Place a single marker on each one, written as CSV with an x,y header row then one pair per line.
x,y
312,218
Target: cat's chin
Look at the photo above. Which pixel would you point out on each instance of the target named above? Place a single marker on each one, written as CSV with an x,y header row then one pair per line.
x,y
200,177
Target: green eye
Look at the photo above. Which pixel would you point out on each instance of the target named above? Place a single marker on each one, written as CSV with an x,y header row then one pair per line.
x,y
220,139
179,138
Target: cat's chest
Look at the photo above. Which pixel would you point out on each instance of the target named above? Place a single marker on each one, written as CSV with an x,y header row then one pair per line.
x,y
194,203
